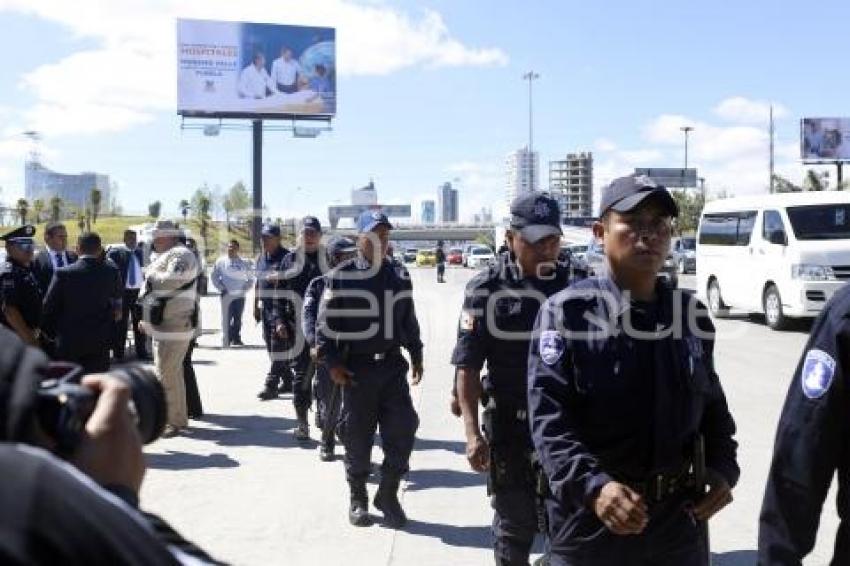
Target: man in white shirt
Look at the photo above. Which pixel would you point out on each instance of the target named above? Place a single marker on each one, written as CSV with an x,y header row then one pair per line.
x,y
254,80
129,260
232,277
285,72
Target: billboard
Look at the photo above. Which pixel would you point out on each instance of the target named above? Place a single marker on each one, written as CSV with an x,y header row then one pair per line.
x,y
247,70
825,139
670,177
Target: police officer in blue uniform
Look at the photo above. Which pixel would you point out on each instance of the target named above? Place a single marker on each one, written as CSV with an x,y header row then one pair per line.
x,y
20,296
363,354
328,399
299,267
811,446
623,394
498,314
267,311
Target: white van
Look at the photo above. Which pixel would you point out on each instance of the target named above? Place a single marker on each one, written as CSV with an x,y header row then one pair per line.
x,y
783,255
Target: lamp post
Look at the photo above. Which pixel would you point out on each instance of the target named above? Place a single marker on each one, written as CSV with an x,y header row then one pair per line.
x,y
687,130
530,76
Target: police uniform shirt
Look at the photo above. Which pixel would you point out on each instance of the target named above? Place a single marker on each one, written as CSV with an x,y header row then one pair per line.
x,y
586,404
812,443
299,269
312,298
268,263
19,288
346,286
497,299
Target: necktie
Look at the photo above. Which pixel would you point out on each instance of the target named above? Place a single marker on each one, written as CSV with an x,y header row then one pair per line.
x,y
60,262
131,271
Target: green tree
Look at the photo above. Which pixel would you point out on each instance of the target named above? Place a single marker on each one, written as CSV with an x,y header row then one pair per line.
x,y
813,181
155,209
202,204
237,201
81,220
488,239
38,208
22,207
690,208
95,197
56,205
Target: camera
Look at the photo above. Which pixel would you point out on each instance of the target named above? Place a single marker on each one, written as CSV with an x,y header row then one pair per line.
x,y
63,405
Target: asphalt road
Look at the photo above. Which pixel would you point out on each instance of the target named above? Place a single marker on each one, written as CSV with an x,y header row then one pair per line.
x,y
242,487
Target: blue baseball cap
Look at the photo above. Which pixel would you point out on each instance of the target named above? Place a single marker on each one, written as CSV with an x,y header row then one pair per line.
x,y
536,216
270,230
370,219
311,223
627,193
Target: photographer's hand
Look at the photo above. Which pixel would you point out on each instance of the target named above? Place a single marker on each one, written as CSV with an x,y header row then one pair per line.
x,y
111,450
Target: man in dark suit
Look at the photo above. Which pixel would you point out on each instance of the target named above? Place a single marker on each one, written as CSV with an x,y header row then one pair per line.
x,y
130,261
82,305
53,256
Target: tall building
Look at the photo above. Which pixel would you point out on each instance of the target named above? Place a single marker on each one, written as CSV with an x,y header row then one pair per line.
x,y
42,183
447,203
522,173
571,183
429,212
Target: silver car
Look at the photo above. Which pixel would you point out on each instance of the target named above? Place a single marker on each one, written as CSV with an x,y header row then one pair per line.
x,y
684,252
595,260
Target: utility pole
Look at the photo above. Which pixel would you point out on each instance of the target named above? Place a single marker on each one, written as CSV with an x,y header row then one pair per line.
x,y
687,130
772,133
530,76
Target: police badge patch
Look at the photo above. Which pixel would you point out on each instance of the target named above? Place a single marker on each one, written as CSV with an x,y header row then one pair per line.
x,y
818,371
467,321
551,346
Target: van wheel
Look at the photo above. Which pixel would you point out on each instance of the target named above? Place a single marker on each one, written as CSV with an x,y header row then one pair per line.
x,y
715,300
772,303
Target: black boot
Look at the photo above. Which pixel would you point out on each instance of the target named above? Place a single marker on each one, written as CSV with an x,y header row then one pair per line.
x,y
358,510
326,452
386,501
269,388
302,429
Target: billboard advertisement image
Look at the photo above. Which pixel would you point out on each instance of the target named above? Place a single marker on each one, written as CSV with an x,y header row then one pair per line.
x,y
237,69
825,139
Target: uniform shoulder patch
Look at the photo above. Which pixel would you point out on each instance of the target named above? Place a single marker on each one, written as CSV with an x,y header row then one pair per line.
x,y
551,346
818,371
467,321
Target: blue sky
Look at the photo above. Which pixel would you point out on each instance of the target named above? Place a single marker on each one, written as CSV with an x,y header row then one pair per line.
x,y
429,92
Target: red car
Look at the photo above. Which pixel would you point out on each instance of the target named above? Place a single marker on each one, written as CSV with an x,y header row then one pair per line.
x,y
455,256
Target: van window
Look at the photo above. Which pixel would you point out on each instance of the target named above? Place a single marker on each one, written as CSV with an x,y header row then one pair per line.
x,y
772,224
820,222
727,228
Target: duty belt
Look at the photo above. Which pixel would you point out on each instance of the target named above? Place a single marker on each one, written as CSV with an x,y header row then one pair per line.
x,y
376,356
658,487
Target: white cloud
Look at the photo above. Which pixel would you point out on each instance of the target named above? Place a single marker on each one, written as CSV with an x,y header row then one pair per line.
x,y
604,144
741,110
132,72
481,185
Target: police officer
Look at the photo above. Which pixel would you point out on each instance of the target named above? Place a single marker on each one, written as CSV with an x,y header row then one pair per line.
x,y
498,313
363,354
299,267
275,334
328,400
621,388
20,297
441,262
811,445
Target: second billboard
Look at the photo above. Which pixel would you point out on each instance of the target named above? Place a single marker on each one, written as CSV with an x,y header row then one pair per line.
x,y
825,139
235,69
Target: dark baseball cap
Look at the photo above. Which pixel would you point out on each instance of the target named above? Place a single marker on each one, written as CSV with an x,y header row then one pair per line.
x,y
270,230
536,216
370,219
311,223
627,193
340,245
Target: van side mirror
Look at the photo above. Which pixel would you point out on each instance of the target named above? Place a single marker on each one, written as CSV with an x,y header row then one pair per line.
x,y
778,237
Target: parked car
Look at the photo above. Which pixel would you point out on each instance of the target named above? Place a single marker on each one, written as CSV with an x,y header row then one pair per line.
x,y
684,251
783,255
479,256
410,255
595,262
455,256
577,251
426,258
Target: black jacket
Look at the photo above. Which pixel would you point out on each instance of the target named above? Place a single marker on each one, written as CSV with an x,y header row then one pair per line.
x,y
80,304
121,255
42,268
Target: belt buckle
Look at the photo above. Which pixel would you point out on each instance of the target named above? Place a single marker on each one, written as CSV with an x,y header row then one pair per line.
x,y
379,357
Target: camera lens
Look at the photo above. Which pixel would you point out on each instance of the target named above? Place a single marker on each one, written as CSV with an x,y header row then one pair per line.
x,y
148,399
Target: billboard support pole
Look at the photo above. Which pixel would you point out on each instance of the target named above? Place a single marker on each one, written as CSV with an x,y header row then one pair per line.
x,y
840,173
257,219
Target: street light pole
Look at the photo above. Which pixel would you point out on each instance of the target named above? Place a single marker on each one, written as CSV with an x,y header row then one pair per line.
x,y
687,130
531,76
